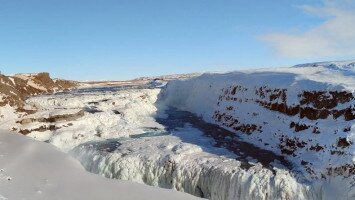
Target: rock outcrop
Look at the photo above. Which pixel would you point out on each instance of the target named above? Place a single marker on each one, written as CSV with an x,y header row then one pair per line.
x,y
15,89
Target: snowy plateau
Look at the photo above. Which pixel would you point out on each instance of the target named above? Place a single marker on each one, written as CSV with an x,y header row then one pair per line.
x,y
277,133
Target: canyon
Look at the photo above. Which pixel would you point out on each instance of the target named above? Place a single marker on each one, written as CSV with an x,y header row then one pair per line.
x,y
276,133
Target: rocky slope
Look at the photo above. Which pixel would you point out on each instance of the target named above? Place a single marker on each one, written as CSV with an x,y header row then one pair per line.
x,y
15,89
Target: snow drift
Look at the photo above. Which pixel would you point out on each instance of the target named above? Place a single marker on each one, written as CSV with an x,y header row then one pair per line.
x,y
34,170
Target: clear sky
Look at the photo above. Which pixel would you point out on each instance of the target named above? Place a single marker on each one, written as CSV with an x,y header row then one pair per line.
x,y
123,39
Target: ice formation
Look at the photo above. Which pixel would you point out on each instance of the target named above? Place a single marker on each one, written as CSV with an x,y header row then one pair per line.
x,y
303,113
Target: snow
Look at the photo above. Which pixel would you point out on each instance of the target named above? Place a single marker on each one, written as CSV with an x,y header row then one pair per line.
x,y
168,77
135,108
30,82
7,116
201,95
170,162
36,170
328,73
183,160
345,66
120,137
12,80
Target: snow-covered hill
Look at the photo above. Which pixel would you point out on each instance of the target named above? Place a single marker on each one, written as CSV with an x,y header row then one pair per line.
x,y
304,112
345,66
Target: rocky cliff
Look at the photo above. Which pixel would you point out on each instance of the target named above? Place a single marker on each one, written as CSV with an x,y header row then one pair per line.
x,y
305,113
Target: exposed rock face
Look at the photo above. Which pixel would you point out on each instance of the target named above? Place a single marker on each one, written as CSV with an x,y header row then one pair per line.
x,y
312,106
305,113
15,89
302,117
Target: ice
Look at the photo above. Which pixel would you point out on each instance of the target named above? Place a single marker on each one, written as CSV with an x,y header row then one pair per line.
x,y
168,162
127,133
202,96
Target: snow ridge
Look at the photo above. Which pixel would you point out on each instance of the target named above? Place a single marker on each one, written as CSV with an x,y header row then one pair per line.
x,y
345,66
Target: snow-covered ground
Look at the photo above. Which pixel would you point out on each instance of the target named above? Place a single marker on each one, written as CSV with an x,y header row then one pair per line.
x,y
284,133
175,155
35,170
107,115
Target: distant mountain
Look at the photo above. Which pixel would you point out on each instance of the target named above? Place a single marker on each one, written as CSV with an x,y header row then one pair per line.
x,y
168,77
334,65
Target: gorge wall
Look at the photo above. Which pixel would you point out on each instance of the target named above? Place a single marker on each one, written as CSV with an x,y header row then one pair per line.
x,y
305,113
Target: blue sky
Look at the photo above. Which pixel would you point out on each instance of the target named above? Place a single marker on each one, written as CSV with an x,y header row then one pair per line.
x,y
123,39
